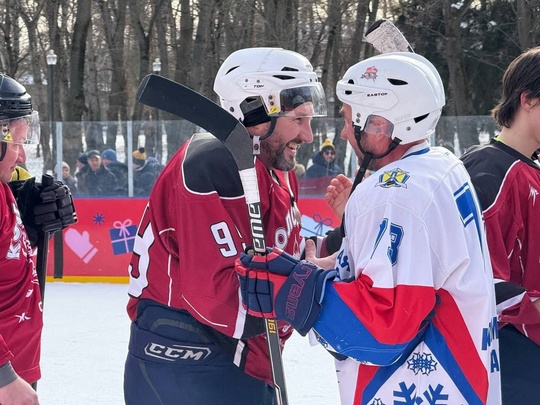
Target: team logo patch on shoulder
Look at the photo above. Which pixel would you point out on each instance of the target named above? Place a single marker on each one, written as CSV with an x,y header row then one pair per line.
x,y
393,178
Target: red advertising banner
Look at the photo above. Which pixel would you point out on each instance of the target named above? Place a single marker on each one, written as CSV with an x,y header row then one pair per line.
x,y
99,245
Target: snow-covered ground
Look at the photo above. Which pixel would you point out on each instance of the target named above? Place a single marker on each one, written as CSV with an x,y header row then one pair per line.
x,y
85,342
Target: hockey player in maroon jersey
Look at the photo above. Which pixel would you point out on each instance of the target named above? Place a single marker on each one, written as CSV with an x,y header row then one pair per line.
x,y
507,181
22,217
191,340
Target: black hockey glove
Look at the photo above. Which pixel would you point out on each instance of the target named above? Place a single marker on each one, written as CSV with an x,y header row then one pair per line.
x,y
46,208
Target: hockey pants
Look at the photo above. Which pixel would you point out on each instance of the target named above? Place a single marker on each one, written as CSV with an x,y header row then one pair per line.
x,y
171,360
520,368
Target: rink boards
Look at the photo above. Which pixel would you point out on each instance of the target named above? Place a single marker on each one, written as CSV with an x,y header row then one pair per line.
x,y
98,247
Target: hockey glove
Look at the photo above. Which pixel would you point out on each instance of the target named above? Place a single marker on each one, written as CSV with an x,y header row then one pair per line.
x,y
279,286
44,209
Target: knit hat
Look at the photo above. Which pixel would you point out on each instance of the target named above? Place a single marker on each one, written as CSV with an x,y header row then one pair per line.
x,y
83,158
139,156
327,144
109,154
93,152
64,164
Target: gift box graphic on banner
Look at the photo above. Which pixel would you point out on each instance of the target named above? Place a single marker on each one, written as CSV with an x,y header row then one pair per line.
x,y
316,225
123,236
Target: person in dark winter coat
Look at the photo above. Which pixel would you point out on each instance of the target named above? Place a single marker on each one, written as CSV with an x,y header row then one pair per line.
x,y
98,181
119,169
144,173
80,171
324,162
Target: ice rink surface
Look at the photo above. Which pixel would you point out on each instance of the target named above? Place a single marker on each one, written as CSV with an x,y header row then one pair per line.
x,y
85,342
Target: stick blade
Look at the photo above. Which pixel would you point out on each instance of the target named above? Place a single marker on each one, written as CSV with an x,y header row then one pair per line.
x,y
164,94
386,37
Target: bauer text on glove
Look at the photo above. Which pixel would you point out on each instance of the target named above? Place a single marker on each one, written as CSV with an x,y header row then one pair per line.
x,y
277,285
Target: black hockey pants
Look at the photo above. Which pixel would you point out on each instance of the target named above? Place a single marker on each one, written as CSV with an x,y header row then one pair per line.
x,y
172,360
520,368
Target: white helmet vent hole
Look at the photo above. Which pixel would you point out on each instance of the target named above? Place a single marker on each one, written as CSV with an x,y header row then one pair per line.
x,y
398,82
232,69
284,77
420,118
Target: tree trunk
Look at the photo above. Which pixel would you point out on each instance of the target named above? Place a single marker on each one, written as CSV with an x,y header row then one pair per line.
x,y
113,16
460,92
524,24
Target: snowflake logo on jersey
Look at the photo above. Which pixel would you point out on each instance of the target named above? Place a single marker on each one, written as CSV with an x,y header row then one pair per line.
x,y
393,178
408,395
376,401
422,363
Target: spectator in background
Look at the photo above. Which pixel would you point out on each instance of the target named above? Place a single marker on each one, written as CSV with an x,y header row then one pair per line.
x,y
119,169
81,167
299,170
144,173
68,179
98,181
324,162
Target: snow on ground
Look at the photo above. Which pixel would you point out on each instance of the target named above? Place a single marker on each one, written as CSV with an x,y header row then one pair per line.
x,y
85,342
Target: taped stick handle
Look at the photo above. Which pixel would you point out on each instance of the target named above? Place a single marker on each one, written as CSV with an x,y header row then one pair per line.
x,y
43,246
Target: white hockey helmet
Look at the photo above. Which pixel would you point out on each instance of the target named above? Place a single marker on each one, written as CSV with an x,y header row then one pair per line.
x,y
403,87
278,79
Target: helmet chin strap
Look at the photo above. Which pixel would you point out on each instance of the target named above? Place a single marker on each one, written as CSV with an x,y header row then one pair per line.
x,y
257,139
368,156
273,121
3,151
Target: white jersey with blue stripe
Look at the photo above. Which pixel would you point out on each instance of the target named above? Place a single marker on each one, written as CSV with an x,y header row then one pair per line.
x,y
414,310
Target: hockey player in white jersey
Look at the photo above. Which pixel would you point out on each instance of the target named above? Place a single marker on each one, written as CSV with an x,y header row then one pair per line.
x,y
409,310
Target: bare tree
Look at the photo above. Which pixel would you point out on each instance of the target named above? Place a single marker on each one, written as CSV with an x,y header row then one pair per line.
x,y
30,14
113,18
143,18
280,16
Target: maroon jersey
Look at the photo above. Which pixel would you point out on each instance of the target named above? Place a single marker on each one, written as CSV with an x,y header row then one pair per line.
x,y
508,186
194,227
21,319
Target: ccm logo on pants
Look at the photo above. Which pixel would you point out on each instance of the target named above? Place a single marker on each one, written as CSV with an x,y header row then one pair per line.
x,y
176,352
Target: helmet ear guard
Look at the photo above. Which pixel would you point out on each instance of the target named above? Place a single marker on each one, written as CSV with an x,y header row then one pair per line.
x,y
402,87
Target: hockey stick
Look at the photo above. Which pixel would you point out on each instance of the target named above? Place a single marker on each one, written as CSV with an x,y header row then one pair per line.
x,y
385,37
43,247
164,94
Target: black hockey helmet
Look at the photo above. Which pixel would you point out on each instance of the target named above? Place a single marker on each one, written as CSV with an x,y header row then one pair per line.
x,y
15,102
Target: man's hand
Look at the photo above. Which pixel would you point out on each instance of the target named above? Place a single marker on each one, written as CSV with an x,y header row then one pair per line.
x,y
327,262
277,285
337,194
18,392
44,209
